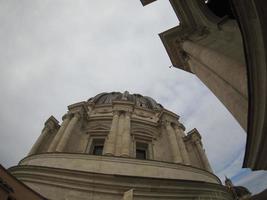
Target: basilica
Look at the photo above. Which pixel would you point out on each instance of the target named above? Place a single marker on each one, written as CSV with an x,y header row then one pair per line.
x,y
119,146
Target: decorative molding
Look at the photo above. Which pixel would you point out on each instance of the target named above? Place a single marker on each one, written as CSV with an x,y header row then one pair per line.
x,y
62,159
116,185
51,123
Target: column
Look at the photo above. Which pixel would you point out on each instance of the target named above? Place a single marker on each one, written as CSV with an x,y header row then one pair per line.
x,y
203,155
233,101
181,144
110,142
119,135
173,142
228,69
126,135
66,119
67,133
39,140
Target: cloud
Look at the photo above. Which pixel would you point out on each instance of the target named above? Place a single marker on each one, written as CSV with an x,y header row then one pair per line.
x,y
255,181
55,53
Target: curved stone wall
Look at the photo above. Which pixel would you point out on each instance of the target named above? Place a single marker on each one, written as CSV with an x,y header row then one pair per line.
x,y
62,184
120,166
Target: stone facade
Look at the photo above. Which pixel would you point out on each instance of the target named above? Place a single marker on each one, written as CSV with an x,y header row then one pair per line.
x,y
224,42
119,146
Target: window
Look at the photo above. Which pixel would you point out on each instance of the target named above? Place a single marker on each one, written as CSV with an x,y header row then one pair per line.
x,y
141,151
98,150
140,154
97,147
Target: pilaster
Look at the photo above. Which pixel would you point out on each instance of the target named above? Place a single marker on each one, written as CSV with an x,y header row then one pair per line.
x,y
232,99
119,134
196,138
50,125
180,141
226,68
126,136
67,133
110,142
55,141
173,143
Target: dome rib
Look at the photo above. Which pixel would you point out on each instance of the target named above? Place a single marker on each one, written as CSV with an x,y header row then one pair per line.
x,y
137,99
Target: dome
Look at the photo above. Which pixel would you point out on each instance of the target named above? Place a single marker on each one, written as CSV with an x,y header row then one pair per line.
x,y
137,99
116,143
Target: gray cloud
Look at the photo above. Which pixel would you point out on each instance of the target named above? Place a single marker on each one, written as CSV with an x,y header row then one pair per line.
x,y
254,181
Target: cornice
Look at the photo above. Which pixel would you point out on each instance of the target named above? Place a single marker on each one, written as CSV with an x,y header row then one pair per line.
x,y
75,105
115,184
125,102
52,119
52,123
56,159
175,52
100,117
145,132
141,121
168,113
180,125
193,135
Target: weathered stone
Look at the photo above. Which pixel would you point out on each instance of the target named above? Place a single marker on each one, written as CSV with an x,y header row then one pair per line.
x,y
120,149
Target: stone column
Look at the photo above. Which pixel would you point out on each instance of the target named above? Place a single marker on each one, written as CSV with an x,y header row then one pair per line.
x,y
181,144
173,142
67,133
236,103
231,71
53,145
203,156
40,139
119,135
110,142
126,135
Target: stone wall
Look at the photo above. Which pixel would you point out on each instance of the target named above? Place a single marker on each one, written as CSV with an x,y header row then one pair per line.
x,y
160,131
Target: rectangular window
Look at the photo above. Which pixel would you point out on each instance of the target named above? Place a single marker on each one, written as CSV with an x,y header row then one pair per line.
x,y
97,147
140,154
98,150
141,151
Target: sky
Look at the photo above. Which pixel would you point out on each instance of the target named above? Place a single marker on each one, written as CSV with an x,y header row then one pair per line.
x,y
54,53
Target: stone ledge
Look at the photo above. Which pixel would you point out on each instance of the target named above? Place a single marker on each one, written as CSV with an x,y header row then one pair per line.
x,y
120,166
116,184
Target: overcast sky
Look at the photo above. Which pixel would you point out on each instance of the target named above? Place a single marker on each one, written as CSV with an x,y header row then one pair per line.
x,y
57,52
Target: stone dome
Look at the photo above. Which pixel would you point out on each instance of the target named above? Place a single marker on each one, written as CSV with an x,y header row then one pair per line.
x,y
115,143
137,99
